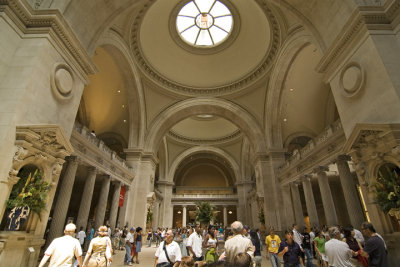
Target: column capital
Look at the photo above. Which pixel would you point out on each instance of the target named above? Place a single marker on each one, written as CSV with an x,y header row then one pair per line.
x,y
116,182
306,177
321,170
92,169
72,159
295,183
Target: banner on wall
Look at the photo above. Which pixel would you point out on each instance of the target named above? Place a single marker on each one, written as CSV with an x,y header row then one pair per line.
x,y
121,197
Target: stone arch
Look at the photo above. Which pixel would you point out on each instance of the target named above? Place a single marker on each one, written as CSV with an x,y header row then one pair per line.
x,y
286,57
199,149
197,106
297,134
117,47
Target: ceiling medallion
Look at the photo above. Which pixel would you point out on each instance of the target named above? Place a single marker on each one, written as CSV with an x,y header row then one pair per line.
x,y
237,85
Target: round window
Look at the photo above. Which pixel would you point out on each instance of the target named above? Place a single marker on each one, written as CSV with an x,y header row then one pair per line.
x,y
204,23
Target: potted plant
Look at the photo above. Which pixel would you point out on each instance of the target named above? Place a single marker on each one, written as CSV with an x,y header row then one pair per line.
x,y
388,191
204,212
26,196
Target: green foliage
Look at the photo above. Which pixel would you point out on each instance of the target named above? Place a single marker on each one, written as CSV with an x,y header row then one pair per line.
x,y
261,217
149,217
31,192
388,189
204,212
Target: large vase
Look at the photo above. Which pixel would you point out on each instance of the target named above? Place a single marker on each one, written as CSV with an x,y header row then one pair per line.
x,y
17,218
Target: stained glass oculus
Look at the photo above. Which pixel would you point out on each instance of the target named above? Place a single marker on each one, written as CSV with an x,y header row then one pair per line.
x,y
204,23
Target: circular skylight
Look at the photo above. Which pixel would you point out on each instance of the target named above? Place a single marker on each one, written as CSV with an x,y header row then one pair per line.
x,y
204,23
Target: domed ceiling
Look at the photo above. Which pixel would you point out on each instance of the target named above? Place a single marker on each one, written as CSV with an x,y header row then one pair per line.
x,y
155,45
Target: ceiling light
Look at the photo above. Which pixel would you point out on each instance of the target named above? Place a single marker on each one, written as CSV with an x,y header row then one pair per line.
x,y
291,89
285,120
179,212
124,121
123,106
119,91
230,212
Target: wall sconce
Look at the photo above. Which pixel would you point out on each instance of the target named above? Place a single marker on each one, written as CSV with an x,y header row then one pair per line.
x,y
179,212
230,212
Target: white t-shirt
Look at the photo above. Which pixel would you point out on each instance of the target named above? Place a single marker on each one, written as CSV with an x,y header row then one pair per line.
x,y
195,241
62,251
129,237
359,236
81,237
338,253
173,250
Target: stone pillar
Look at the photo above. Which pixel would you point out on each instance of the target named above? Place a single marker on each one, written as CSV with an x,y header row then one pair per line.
x,y
156,212
114,204
86,200
184,216
326,195
225,216
102,203
64,196
310,202
288,207
350,192
166,211
122,210
298,209
242,200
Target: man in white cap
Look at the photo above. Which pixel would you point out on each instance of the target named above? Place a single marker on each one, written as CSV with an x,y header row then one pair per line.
x,y
62,250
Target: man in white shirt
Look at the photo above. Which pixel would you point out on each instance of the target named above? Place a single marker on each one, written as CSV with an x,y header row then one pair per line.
x,y
297,237
195,244
128,246
81,236
238,243
171,248
63,249
359,236
337,251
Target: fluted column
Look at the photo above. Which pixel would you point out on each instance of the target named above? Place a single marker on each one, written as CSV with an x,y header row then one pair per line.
x,y
353,204
298,209
288,206
114,204
63,199
310,201
156,213
102,203
326,195
184,216
86,200
225,216
122,211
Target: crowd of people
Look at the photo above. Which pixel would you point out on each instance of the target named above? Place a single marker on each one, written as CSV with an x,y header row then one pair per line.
x,y
241,247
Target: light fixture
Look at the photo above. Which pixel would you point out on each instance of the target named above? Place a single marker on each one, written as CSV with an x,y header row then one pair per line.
x,y
179,212
285,120
119,91
124,121
291,89
123,106
230,212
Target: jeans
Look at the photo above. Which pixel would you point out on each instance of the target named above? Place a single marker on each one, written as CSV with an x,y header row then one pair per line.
x,y
128,257
309,258
149,242
273,258
198,258
257,261
291,265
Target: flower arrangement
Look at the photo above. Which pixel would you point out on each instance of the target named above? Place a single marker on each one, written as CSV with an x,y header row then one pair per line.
x,y
388,189
32,193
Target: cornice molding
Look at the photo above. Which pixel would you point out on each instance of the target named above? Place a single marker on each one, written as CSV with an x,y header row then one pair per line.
x,y
363,20
51,22
235,86
197,141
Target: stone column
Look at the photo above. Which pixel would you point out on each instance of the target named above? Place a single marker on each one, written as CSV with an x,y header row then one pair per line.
x,y
102,203
63,199
350,191
327,200
310,201
156,211
114,204
288,206
166,210
86,201
225,216
122,210
184,216
298,209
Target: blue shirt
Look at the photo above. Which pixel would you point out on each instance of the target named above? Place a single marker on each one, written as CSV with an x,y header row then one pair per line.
x,y
292,255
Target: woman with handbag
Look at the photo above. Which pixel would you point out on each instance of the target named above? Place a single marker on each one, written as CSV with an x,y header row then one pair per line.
x,y
168,253
99,253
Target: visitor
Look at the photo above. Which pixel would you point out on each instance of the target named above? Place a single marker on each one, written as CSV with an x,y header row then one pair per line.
x,y
115,239
312,236
211,244
238,243
374,248
257,247
128,246
297,237
195,244
246,232
319,245
149,237
99,253
187,261
290,251
138,243
63,249
306,245
354,245
337,251
242,259
81,236
168,253
272,243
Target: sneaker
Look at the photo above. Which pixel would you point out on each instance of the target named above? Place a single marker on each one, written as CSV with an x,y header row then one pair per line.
x,y
130,263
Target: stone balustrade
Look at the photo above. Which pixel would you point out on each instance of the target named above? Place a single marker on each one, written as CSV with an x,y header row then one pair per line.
x,y
321,150
95,153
